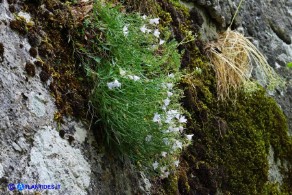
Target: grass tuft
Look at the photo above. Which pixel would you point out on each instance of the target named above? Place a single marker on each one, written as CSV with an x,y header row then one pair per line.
x,y
232,56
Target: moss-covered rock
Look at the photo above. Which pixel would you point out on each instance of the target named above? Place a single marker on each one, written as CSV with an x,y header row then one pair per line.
x,y
231,140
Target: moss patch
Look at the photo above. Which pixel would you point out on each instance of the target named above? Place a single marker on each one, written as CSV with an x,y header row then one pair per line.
x,y
30,69
52,37
33,52
231,141
19,25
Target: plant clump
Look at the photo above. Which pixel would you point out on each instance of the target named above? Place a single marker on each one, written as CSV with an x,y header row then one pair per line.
x,y
232,56
135,67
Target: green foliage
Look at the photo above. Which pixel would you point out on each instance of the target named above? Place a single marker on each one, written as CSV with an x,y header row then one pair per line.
x,y
289,64
135,94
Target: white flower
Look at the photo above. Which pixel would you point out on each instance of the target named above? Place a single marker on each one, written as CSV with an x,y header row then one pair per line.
x,y
176,163
122,72
110,85
171,75
179,144
169,85
176,145
117,83
166,141
134,77
163,169
169,94
144,16
125,30
163,107
172,112
277,66
156,33
156,117
163,154
189,137
155,165
182,119
114,84
168,120
164,175
148,138
173,129
161,42
154,21
143,29
166,102
181,128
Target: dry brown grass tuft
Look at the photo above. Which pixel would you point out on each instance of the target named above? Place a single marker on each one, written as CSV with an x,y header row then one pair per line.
x,y
232,56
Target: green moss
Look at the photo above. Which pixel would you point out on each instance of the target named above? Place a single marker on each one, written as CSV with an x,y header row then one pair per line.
x,y
183,184
273,189
171,186
234,140
54,46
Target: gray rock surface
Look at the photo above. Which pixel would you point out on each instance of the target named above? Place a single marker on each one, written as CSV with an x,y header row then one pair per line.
x,y
32,149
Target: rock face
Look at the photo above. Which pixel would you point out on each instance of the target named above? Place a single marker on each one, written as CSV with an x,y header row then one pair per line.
x,y
34,149
269,23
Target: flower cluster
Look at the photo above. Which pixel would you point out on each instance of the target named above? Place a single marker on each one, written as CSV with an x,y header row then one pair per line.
x,y
171,123
146,29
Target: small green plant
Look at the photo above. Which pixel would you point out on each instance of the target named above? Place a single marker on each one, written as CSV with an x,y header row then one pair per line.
x,y
135,67
289,64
